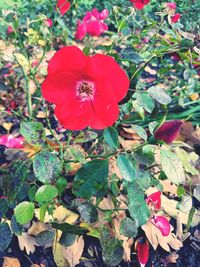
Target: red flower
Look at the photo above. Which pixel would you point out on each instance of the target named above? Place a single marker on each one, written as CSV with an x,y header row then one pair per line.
x,y
92,24
85,89
168,131
63,6
11,142
162,224
139,4
171,5
142,248
154,199
175,18
49,22
10,30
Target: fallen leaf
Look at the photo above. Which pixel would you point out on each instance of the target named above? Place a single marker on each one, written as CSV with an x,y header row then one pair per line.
x,y
36,265
11,262
58,251
172,258
73,253
27,242
156,238
37,227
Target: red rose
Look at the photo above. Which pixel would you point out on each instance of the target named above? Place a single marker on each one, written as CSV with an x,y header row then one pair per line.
x,y
168,131
10,30
63,6
171,5
85,89
139,4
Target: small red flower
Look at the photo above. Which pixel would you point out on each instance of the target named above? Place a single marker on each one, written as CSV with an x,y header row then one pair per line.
x,y
85,89
168,131
154,199
10,30
142,248
63,6
162,224
175,18
49,22
139,4
171,5
11,142
92,24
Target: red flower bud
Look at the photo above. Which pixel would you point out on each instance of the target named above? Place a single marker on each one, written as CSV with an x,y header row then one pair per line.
x,y
139,4
175,18
63,6
142,248
168,131
154,199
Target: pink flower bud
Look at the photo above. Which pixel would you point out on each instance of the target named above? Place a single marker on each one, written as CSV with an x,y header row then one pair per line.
x,y
154,199
48,22
168,131
171,5
10,30
162,224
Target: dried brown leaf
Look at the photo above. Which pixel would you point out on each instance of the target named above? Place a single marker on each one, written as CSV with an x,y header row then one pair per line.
x,y
27,242
73,253
37,227
11,262
156,238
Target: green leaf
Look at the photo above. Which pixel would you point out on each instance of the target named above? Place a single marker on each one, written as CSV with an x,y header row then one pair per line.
x,y
24,212
140,131
88,212
129,54
13,179
45,237
69,228
9,4
61,184
31,192
159,95
129,227
126,167
172,167
91,179
186,159
33,132
15,226
138,209
67,239
112,248
5,236
46,193
145,100
46,167
3,206
111,137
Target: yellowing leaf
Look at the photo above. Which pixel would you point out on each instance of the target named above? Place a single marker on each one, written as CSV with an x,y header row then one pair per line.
x,y
58,252
21,59
64,215
11,262
27,242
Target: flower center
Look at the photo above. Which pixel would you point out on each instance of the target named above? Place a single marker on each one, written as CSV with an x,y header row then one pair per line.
x,y
85,90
